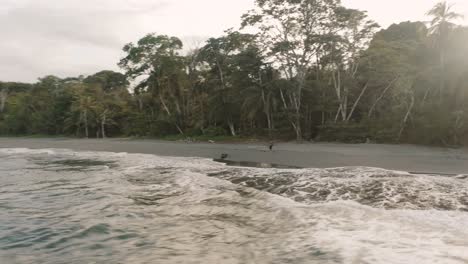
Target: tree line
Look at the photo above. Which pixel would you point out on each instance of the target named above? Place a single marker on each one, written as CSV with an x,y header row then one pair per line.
x,y
296,69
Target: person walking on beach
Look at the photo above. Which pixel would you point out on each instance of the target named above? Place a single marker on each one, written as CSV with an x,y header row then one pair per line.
x,y
271,145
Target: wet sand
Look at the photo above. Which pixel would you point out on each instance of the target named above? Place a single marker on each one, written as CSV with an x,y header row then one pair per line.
x,y
418,159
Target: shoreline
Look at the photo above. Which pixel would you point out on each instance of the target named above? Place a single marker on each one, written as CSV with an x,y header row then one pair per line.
x,y
409,158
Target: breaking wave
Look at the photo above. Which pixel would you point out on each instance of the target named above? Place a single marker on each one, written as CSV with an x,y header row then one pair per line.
x,y
60,206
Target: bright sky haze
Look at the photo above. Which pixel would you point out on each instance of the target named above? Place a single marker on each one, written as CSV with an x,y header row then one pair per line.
x,y
73,37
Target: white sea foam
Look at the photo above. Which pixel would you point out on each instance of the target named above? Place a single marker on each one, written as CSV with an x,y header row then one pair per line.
x,y
340,215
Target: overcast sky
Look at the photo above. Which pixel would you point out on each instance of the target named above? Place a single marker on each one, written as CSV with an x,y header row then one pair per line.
x,y
72,37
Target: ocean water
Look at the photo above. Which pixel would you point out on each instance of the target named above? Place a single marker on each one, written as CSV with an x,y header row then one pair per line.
x,y
60,206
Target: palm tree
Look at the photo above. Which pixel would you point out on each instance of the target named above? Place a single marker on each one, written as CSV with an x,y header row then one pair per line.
x,y
443,18
441,25
83,106
86,105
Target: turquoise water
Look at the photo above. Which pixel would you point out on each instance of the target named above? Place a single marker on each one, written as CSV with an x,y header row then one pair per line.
x,y
60,206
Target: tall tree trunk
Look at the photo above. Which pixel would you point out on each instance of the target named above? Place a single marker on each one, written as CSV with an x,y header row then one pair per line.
x,y
405,119
3,99
297,103
364,89
267,111
270,125
291,119
140,102
426,94
78,125
442,74
179,129
344,109
85,116
297,127
170,114
103,125
202,110
341,95
163,103
338,112
298,132
232,128
374,105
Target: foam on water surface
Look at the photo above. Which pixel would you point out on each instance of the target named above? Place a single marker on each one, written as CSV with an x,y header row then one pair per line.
x,y
58,206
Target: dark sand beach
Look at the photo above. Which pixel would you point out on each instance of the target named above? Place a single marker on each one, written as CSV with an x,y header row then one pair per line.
x,y
418,159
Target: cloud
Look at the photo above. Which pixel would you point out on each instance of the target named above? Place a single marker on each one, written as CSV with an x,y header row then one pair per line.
x,y
73,37
70,37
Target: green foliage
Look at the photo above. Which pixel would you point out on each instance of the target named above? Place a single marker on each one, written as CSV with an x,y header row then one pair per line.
x,y
349,133
306,69
214,131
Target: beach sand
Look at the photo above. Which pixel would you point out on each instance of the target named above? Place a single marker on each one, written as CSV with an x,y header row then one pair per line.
x,y
417,159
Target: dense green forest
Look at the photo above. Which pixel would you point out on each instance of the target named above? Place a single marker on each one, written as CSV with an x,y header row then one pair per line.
x,y
296,69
